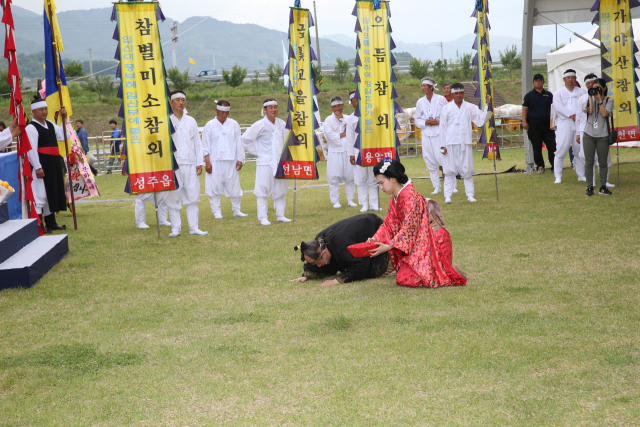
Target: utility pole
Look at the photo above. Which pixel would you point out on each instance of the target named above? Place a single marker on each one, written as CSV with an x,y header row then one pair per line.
x,y
441,51
90,64
315,18
174,39
556,36
214,64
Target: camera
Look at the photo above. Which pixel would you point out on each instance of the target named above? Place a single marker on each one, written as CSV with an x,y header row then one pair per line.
x,y
596,90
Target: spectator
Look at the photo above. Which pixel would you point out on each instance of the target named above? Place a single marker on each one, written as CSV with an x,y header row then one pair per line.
x,y
447,91
536,119
115,145
2,128
82,135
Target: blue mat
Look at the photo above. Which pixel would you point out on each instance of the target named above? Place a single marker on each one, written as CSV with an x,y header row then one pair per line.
x,y
9,170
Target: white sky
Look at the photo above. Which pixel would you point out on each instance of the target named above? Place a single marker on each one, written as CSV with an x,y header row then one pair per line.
x,y
410,20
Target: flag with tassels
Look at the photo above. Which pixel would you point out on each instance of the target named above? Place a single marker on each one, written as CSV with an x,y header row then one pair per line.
x,y
300,154
145,108
53,65
618,51
484,92
16,110
376,130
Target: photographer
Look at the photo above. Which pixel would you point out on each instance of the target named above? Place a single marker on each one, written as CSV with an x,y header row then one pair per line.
x,y
598,107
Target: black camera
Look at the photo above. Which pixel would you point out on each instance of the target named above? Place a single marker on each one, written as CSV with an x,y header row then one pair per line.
x,y
596,90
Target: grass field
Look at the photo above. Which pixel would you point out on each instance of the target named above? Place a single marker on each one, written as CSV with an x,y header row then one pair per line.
x,y
194,331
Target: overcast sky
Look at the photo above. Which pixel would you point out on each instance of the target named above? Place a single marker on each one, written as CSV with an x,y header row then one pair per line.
x,y
419,21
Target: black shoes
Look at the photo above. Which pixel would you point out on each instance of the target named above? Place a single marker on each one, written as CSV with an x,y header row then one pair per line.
x,y
605,191
589,191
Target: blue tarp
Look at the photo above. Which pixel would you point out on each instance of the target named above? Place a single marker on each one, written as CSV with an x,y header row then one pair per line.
x,y
9,170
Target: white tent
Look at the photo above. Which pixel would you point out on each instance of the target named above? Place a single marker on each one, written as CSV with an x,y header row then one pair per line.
x,y
580,56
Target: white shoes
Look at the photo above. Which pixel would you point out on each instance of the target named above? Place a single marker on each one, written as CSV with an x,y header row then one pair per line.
x,y
364,208
217,215
455,190
174,234
264,222
609,185
337,205
558,181
471,199
143,226
447,200
198,232
165,223
350,203
582,179
283,219
239,214
437,191
376,209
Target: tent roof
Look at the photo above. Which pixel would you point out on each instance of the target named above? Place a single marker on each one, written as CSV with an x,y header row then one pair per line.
x,y
566,11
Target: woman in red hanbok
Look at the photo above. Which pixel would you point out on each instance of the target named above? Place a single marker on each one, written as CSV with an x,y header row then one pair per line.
x,y
421,256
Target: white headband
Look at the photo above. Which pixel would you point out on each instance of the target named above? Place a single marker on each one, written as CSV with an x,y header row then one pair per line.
x,y
353,95
337,102
457,90
569,74
266,104
38,104
222,107
592,79
178,95
428,82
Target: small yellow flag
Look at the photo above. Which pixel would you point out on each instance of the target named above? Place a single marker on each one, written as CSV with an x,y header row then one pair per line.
x,y
191,61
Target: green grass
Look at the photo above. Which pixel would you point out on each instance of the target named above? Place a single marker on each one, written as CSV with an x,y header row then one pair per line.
x,y
132,330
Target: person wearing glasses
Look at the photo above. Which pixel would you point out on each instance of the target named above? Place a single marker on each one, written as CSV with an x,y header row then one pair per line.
x,y
327,254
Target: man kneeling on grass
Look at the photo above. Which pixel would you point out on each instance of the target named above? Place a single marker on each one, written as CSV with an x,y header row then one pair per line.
x,y
327,254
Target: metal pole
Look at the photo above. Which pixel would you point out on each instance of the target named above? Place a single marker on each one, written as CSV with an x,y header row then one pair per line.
x,y
556,36
155,202
64,126
90,63
315,18
495,172
441,51
294,199
618,160
174,39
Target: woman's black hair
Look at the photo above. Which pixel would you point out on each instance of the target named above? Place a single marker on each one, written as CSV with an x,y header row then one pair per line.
x,y
395,169
312,249
603,85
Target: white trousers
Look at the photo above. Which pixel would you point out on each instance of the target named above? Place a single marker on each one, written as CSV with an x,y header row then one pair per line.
x,y
223,179
189,194
340,169
565,139
458,161
432,158
367,186
267,185
141,213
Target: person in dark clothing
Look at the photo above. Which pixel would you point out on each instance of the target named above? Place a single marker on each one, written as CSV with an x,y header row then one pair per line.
x,y
328,254
536,119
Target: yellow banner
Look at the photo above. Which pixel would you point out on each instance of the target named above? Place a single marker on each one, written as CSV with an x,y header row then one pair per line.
x,y
377,137
145,103
299,157
618,66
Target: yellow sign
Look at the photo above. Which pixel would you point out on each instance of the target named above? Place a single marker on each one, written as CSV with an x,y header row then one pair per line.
x,y
618,66
299,157
376,132
145,105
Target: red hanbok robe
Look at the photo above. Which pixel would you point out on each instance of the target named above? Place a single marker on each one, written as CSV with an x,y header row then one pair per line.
x,y
417,252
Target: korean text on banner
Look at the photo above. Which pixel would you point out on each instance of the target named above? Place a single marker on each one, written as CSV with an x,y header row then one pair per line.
x,y
484,77
376,138
149,147
619,64
299,157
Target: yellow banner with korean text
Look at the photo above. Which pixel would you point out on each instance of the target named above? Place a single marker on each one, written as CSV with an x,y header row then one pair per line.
x,y
619,64
299,156
145,106
376,130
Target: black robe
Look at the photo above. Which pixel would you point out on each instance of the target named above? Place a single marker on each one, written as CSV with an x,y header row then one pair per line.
x,y
53,168
338,237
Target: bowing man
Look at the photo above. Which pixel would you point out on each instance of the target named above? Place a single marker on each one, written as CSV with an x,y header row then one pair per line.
x,y
266,139
188,154
46,164
338,165
565,101
362,175
223,157
456,139
428,109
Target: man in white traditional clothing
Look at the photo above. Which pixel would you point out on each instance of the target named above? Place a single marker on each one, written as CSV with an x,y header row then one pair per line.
x,y
339,169
223,157
7,135
189,157
456,141
46,164
581,120
565,101
428,109
363,176
266,139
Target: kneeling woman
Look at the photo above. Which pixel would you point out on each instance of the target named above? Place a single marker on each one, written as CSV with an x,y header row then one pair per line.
x,y
328,254
416,251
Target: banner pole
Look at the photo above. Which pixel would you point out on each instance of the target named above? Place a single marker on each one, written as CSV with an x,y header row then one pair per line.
x,y
155,203
72,203
618,161
495,173
294,199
